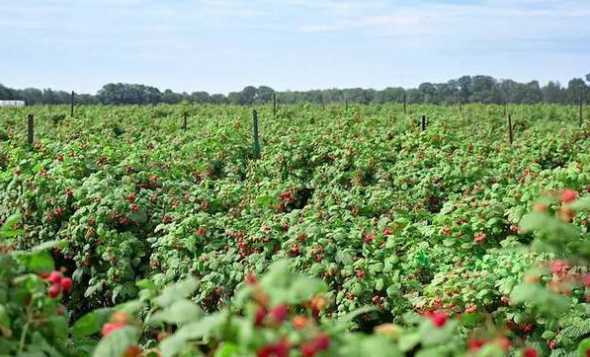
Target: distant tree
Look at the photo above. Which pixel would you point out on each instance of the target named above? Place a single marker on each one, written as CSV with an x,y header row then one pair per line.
x,y
170,97
414,96
264,94
532,93
200,97
248,95
428,91
464,84
575,89
466,89
32,96
484,89
391,95
553,93
235,98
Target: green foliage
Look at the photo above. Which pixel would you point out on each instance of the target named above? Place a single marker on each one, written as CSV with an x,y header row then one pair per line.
x,y
355,206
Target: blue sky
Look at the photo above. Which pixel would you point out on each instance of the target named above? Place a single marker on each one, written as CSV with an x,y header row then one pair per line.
x,y
224,45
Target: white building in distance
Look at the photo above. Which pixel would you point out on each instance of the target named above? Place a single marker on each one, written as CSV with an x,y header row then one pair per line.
x,y
12,103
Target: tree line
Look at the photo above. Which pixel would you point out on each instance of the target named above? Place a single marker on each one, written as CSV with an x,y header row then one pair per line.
x,y
467,89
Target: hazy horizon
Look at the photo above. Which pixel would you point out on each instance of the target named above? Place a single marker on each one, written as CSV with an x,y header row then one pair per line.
x,y
222,46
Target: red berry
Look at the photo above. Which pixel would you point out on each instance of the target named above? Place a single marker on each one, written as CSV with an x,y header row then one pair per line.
x,y
260,316
439,318
250,279
111,327
308,349
552,344
568,196
475,344
504,343
133,351
280,349
368,238
480,237
54,277
559,267
66,284
360,274
54,291
279,313
528,328
529,352
322,342
586,280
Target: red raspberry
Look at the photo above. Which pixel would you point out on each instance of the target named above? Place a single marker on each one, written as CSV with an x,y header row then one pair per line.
x,y
54,291
568,196
54,277
439,318
111,327
279,313
66,284
530,352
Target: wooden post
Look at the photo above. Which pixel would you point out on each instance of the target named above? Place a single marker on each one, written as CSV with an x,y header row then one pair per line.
x,y
581,111
510,133
30,129
274,104
72,105
405,103
255,134
346,104
423,123
505,108
184,121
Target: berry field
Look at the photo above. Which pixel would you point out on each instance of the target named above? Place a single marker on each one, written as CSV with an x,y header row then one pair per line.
x,y
354,233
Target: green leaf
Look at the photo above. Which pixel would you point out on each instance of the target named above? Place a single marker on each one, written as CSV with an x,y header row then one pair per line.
x,y
408,342
379,346
4,322
227,350
193,331
533,221
178,291
538,296
91,323
38,262
582,204
583,347
304,288
354,314
8,229
117,342
49,245
178,313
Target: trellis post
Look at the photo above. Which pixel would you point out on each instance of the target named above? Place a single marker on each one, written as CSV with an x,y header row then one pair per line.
x,y
30,129
255,137
510,132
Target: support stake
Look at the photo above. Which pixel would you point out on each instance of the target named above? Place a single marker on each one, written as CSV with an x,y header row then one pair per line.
x,y
255,134
30,129
510,133
405,104
274,104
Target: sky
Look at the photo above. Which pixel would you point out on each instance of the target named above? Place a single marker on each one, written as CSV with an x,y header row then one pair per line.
x,y
224,45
